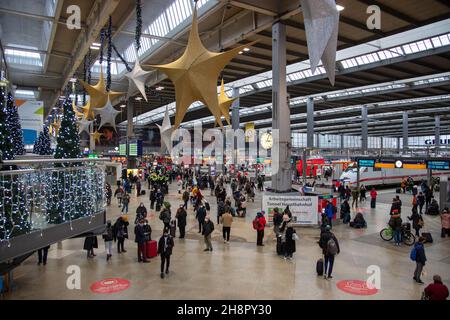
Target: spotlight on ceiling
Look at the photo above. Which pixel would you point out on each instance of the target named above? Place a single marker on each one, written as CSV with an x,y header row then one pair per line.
x,y
246,49
73,80
95,48
138,98
339,7
96,44
123,105
159,88
241,52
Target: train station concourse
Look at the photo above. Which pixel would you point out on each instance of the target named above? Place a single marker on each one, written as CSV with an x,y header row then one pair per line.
x,y
236,154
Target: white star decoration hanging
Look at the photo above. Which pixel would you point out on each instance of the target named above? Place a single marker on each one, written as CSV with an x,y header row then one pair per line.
x,y
108,115
136,79
84,125
166,131
321,26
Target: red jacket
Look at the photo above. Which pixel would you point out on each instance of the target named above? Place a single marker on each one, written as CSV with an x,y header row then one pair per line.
x,y
262,223
373,194
437,291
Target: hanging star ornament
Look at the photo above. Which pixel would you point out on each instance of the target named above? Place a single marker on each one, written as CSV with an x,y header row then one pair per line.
x,y
321,26
96,135
108,114
225,103
88,111
84,125
136,79
165,131
195,74
78,114
98,94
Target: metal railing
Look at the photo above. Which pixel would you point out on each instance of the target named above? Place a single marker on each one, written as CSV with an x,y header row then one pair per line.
x,y
40,193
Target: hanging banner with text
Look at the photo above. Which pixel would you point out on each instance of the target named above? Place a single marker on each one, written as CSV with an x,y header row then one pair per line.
x,y
304,209
31,115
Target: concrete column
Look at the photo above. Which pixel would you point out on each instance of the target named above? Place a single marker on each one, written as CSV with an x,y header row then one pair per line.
x,y
381,143
398,144
364,129
437,132
405,131
310,123
318,140
281,124
130,130
342,142
235,122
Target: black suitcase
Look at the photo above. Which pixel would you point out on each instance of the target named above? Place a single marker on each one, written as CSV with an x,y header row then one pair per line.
x,y
427,237
319,267
158,207
279,246
173,228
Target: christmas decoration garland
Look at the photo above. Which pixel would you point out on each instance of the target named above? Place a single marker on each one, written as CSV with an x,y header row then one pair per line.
x,y
102,43
138,32
121,58
108,72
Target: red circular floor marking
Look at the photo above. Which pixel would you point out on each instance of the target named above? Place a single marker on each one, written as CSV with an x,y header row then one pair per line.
x,y
357,287
110,285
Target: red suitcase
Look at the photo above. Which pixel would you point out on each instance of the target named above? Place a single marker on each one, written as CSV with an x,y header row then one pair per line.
x,y
151,249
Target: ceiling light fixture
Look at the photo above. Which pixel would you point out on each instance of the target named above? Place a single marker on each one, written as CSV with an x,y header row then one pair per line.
x,y
73,80
246,49
95,48
123,105
96,44
339,7
138,98
159,88
240,52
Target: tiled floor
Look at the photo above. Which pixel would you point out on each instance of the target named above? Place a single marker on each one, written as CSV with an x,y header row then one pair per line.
x,y
239,270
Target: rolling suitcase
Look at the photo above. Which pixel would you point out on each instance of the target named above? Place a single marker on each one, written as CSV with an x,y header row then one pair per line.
x,y
319,267
158,207
428,237
151,249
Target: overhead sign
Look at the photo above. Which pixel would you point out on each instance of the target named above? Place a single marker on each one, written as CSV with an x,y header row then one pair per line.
x,y
438,165
304,209
366,163
136,148
123,149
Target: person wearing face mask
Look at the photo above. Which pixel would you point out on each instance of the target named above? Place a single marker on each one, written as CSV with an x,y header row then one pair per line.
x,y
208,228
108,237
181,216
141,213
140,240
165,246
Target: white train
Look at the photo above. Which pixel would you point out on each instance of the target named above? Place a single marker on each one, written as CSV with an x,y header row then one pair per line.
x,y
378,176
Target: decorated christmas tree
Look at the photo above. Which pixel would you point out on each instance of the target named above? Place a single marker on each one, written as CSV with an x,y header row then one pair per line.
x,y
68,140
15,126
42,145
14,215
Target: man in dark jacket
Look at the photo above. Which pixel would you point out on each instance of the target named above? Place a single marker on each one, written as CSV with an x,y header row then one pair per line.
x,y
330,247
200,216
437,290
395,206
152,197
120,232
420,259
140,240
220,210
141,213
345,212
395,222
165,245
420,202
208,228
181,216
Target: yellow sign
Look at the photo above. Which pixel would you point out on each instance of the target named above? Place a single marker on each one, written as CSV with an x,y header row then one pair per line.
x,y
250,132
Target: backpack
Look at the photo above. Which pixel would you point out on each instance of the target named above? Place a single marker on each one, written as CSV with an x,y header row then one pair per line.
x,y
256,223
331,247
413,254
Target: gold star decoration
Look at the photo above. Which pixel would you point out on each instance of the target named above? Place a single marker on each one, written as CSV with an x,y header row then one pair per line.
x,y
88,111
225,103
195,74
78,114
96,135
98,94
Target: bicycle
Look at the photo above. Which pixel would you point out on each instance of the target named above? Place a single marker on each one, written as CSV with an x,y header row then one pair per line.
x,y
387,234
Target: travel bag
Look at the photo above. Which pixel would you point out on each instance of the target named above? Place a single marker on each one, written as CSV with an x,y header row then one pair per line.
x,y
319,267
428,237
151,248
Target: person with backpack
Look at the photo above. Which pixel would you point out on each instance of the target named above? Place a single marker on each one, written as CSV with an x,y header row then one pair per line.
x,y
119,194
165,248
181,217
418,255
259,223
436,290
329,211
140,240
417,220
277,221
200,216
226,219
395,222
165,215
287,232
108,238
185,198
208,228
120,232
125,202
330,248
345,212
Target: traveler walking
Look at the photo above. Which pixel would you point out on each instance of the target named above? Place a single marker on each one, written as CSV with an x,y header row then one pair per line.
x,y
181,217
226,219
165,247
418,255
108,238
208,228
330,248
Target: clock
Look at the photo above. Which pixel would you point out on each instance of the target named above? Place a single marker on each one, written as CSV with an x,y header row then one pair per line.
x,y
266,141
398,164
